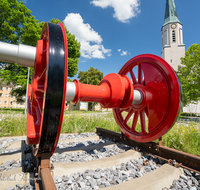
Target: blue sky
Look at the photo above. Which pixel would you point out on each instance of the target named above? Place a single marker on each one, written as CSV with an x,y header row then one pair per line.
x,y
113,31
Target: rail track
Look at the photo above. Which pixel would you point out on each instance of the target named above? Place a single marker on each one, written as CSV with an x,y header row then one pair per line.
x,y
92,161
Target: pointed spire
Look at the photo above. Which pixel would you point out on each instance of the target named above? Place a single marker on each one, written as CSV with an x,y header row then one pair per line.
x,y
170,13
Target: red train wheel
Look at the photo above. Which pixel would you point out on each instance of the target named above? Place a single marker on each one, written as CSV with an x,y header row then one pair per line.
x,y
47,94
160,89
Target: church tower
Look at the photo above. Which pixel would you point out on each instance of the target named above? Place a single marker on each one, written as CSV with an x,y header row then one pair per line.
x,y
172,36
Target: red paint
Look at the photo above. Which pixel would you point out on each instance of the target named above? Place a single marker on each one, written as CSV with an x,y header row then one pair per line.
x,y
33,131
113,91
36,93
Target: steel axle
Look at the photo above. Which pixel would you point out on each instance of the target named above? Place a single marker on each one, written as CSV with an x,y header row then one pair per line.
x,y
24,55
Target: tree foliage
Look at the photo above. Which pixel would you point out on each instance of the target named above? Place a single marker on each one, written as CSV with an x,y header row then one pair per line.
x,y
189,75
17,25
92,76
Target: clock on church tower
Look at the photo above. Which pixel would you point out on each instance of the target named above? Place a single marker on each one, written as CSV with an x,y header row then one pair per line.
x,y
173,26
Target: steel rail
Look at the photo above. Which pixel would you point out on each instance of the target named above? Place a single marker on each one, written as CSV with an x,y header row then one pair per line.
x,y
44,174
183,159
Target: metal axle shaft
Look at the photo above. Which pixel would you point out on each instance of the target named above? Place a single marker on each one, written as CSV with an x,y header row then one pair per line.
x,y
71,92
24,55
21,54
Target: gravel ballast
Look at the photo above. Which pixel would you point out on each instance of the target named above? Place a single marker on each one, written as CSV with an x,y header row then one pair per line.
x,y
188,181
99,178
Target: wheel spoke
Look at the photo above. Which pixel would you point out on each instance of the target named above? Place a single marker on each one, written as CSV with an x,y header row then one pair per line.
x,y
38,104
38,115
120,111
140,79
40,88
123,109
144,82
135,119
42,76
142,121
128,116
133,77
146,111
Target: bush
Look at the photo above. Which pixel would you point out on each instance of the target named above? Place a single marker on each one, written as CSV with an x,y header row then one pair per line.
x,y
189,114
11,110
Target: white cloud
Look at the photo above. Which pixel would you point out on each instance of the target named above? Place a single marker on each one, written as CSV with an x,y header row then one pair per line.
x,y
124,9
91,41
122,53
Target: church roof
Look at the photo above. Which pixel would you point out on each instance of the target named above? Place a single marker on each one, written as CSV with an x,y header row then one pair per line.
x,y
170,13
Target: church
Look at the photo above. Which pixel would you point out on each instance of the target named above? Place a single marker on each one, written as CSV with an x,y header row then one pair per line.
x,y
173,47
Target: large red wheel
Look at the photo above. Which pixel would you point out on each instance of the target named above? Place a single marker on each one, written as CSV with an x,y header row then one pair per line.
x,y
161,93
47,93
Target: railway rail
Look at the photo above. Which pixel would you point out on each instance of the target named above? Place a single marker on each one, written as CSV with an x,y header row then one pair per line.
x,y
105,160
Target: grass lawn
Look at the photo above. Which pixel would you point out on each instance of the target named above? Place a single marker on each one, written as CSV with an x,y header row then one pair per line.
x,y
182,136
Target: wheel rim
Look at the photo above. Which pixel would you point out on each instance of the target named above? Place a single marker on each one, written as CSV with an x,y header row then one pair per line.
x,y
48,92
160,89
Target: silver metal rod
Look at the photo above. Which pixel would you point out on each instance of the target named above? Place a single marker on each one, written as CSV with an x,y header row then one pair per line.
x,y
71,91
27,82
23,55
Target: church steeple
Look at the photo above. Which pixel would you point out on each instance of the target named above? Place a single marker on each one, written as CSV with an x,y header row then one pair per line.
x,y
170,13
172,36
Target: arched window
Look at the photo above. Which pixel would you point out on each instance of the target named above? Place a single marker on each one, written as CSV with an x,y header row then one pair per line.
x,y
173,36
180,36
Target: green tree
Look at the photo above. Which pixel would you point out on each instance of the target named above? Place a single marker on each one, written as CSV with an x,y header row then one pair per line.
x,y
92,76
189,75
17,25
